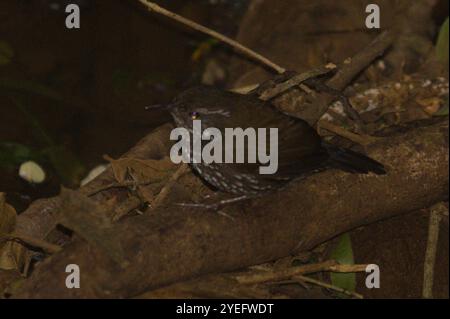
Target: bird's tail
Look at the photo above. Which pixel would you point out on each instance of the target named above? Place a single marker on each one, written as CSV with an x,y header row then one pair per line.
x,y
353,162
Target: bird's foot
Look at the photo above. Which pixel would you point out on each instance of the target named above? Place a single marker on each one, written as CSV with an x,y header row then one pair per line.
x,y
217,206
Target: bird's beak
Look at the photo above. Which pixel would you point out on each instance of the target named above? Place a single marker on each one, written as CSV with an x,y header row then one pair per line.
x,y
160,106
155,107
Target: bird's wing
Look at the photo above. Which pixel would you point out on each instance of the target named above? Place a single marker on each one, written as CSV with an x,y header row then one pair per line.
x,y
299,146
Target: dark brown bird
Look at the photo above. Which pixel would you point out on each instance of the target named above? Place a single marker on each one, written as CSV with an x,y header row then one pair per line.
x,y
301,152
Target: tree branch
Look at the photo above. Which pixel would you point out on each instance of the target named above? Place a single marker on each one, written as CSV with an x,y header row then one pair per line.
x,y
171,245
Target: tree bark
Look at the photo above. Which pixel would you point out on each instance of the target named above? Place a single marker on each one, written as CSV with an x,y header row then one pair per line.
x,y
174,244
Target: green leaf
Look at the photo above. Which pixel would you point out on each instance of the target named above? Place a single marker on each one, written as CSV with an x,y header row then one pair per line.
x,y
63,160
442,43
30,87
203,49
66,164
12,154
343,253
38,130
443,111
6,53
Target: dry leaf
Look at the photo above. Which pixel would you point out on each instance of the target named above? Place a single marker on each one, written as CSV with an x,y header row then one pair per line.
x,y
141,171
7,217
12,254
430,105
89,220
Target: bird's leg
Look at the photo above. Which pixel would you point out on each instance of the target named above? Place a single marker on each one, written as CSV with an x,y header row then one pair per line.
x,y
217,205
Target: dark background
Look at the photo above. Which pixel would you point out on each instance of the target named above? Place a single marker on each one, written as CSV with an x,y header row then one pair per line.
x,y
67,97
85,89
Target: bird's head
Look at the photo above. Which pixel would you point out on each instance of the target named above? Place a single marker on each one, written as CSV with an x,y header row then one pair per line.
x,y
200,103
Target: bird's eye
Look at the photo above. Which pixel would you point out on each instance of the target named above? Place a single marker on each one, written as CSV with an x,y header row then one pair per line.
x,y
194,115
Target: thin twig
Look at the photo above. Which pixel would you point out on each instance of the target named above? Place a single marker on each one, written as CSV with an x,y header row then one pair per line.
x,y
430,254
130,204
361,60
361,139
327,286
347,72
34,242
294,81
339,81
328,266
184,168
153,7
133,202
124,184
